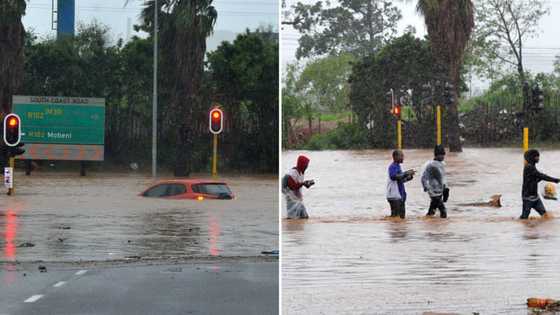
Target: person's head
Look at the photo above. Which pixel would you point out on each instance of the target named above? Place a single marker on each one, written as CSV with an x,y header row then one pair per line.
x,y
302,163
398,156
439,152
532,156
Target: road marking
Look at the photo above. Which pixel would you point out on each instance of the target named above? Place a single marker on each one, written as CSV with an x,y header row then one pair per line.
x,y
81,272
59,284
33,299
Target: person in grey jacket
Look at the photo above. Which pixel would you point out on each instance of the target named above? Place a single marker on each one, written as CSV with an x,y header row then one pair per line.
x,y
434,182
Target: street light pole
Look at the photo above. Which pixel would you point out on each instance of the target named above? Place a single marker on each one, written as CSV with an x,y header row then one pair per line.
x,y
154,99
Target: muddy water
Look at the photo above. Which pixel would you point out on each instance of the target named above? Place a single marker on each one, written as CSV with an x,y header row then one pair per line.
x,y
100,217
349,259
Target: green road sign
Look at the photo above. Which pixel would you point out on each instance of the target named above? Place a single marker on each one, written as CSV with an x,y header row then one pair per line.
x,y
61,120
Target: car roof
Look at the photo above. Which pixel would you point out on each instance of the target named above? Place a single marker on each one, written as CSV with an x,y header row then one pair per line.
x,y
188,181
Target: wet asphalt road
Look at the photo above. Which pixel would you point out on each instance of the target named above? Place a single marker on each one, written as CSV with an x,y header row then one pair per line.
x,y
213,287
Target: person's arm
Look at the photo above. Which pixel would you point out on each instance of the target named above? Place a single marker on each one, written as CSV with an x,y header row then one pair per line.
x,y
396,174
292,184
542,176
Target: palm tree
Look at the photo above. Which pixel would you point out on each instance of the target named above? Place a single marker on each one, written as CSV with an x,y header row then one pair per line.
x,y
185,25
449,24
11,50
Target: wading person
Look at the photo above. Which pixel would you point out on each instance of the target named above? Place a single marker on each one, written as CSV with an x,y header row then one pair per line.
x,y
396,193
434,183
292,184
531,179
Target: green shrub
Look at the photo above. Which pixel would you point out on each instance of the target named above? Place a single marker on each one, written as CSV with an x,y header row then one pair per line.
x,y
345,136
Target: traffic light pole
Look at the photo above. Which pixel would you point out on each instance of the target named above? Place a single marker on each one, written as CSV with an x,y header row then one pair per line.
x,y
525,139
399,134
215,157
12,190
438,124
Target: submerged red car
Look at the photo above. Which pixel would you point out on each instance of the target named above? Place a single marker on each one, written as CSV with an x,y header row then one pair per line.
x,y
189,189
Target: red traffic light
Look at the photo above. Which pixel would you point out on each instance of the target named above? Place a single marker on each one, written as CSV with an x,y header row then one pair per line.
x,y
12,130
13,122
396,111
216,124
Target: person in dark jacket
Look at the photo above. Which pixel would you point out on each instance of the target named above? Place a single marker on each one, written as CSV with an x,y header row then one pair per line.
x,y
396,193
531,179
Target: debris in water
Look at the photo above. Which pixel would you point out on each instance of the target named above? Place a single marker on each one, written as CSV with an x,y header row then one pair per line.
x,y
42,269
271,252
26,244
133,257
540,302
495,202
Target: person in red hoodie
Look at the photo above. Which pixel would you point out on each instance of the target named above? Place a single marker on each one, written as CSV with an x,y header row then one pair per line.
x,y
292,184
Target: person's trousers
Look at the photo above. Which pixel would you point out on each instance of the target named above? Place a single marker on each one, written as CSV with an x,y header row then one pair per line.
x,y
437,203
398,208
532,204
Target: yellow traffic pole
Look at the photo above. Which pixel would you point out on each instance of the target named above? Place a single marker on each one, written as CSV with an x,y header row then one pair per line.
x,y
438,123
399,134
12,191
215,157
525,139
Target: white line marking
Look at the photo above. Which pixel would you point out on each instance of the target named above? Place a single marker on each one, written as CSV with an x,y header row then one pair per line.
x,y
33,299
81,272
59,284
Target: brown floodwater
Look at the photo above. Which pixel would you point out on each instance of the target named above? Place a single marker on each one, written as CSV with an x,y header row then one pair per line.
x,y
101,217
349,259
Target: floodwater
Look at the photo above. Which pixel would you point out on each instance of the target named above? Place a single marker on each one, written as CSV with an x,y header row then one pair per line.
x,y
349,259
100,217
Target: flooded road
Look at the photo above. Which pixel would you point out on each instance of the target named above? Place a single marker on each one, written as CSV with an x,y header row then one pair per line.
x,y
349,259
64,217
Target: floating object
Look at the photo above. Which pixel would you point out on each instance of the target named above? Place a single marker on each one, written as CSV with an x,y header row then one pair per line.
x,y
495,201
539,302
42,269
550,191
26,244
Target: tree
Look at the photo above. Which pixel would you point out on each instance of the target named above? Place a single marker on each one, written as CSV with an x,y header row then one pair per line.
x,y
405,65
12,34
244,75
185,26
503,26
449,24
326,79
292,109
355,26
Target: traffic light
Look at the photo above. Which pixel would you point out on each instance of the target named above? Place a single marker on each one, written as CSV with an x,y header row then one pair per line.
x,y
12,130
538,98
396,111
216,121
448,93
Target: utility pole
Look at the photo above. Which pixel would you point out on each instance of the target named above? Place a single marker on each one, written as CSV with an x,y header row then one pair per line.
x,y
154,98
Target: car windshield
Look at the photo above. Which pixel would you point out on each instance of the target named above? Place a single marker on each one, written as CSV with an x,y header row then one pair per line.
x,y
212,189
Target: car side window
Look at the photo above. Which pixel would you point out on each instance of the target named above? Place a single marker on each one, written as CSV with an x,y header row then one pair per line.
x,y
175,189
156,191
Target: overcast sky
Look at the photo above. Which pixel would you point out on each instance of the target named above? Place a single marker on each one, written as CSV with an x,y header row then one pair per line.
x,y
234,16
540,52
